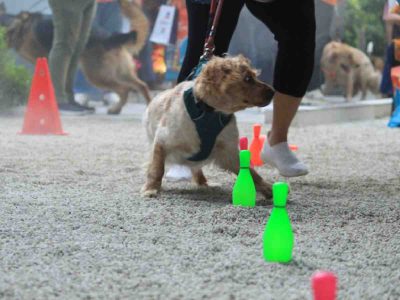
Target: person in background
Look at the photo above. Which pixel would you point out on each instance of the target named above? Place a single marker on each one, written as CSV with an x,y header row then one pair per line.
x,y
392,22
72,22
146,72
108,20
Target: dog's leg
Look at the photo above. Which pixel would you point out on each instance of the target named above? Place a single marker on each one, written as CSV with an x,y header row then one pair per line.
x,y
229,160
138,85
123,98
198,177
261,186
350,85
364,88
155,172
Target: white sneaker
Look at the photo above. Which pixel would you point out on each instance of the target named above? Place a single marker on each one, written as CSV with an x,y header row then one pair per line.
x,y
282,158
81,98
179,173
110,98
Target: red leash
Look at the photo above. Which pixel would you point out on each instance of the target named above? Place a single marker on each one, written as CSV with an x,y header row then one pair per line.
x,y
215,14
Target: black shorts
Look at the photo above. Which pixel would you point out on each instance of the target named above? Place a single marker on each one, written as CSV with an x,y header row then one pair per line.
x,y
291,22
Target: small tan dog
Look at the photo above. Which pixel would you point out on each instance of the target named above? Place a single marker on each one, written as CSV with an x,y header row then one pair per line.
x,y
349,68
224,86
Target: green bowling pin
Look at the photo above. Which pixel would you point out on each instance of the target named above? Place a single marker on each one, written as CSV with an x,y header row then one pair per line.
x,y
278,236
244,191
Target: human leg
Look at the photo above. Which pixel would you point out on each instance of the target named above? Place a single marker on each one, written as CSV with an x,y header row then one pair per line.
x,y
198,21
386,87
66,35
87,16
198,17
293,25
227,25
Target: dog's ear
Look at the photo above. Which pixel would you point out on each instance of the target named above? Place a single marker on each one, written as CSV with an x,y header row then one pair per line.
x,y
243,59
216,69
216,75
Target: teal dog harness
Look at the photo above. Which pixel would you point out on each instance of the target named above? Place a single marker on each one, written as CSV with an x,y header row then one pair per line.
x,y
208,122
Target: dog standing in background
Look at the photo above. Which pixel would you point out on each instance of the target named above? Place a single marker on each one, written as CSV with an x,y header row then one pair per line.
x,y
107,61
349,68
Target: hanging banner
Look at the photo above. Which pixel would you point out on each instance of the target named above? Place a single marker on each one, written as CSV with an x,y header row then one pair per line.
x,y
163,28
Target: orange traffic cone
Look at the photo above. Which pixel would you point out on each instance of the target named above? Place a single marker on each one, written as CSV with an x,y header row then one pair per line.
x,y
42,116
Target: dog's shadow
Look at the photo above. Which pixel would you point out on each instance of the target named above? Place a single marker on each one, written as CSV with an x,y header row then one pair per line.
x,y
211,194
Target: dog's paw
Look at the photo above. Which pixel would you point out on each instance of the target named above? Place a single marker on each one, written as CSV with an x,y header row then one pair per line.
x,y
214,185
266,190
148,192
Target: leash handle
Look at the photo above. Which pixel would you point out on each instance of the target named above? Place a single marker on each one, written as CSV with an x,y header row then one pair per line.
x,y
215,14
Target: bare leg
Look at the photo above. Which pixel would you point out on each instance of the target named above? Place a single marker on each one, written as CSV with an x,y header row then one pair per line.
x,y
198,177
285,108
276,152
155,172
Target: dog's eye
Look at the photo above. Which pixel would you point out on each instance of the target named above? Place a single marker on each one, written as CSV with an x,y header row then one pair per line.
x,y
249,79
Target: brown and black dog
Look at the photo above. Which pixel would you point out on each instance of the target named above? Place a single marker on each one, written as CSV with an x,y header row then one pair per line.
x,y
107,61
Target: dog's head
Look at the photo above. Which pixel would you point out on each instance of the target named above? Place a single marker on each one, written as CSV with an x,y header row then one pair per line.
x,y
230,84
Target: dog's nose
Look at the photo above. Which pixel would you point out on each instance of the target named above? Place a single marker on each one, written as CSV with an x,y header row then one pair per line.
x,y
269,94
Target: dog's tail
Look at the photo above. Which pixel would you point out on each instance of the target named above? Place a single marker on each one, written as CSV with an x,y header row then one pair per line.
x,y
138,23
378,63
119,39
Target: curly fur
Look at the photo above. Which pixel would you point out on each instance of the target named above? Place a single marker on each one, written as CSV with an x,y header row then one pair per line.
x,y
349,68
226,84
138,23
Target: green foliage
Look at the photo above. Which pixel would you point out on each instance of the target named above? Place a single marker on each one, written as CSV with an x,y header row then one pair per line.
x,y
14,80
364,23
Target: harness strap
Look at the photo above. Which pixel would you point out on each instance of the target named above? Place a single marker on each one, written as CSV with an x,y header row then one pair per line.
x,y
215,14
208,123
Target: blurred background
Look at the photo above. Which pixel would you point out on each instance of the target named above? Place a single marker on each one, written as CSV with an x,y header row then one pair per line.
x,y
358,23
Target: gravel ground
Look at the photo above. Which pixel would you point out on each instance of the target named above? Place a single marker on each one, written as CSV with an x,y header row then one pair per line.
x,y
73,224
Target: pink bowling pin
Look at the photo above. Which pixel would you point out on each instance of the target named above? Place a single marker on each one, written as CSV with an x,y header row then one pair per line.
x,y
324,285
243,143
